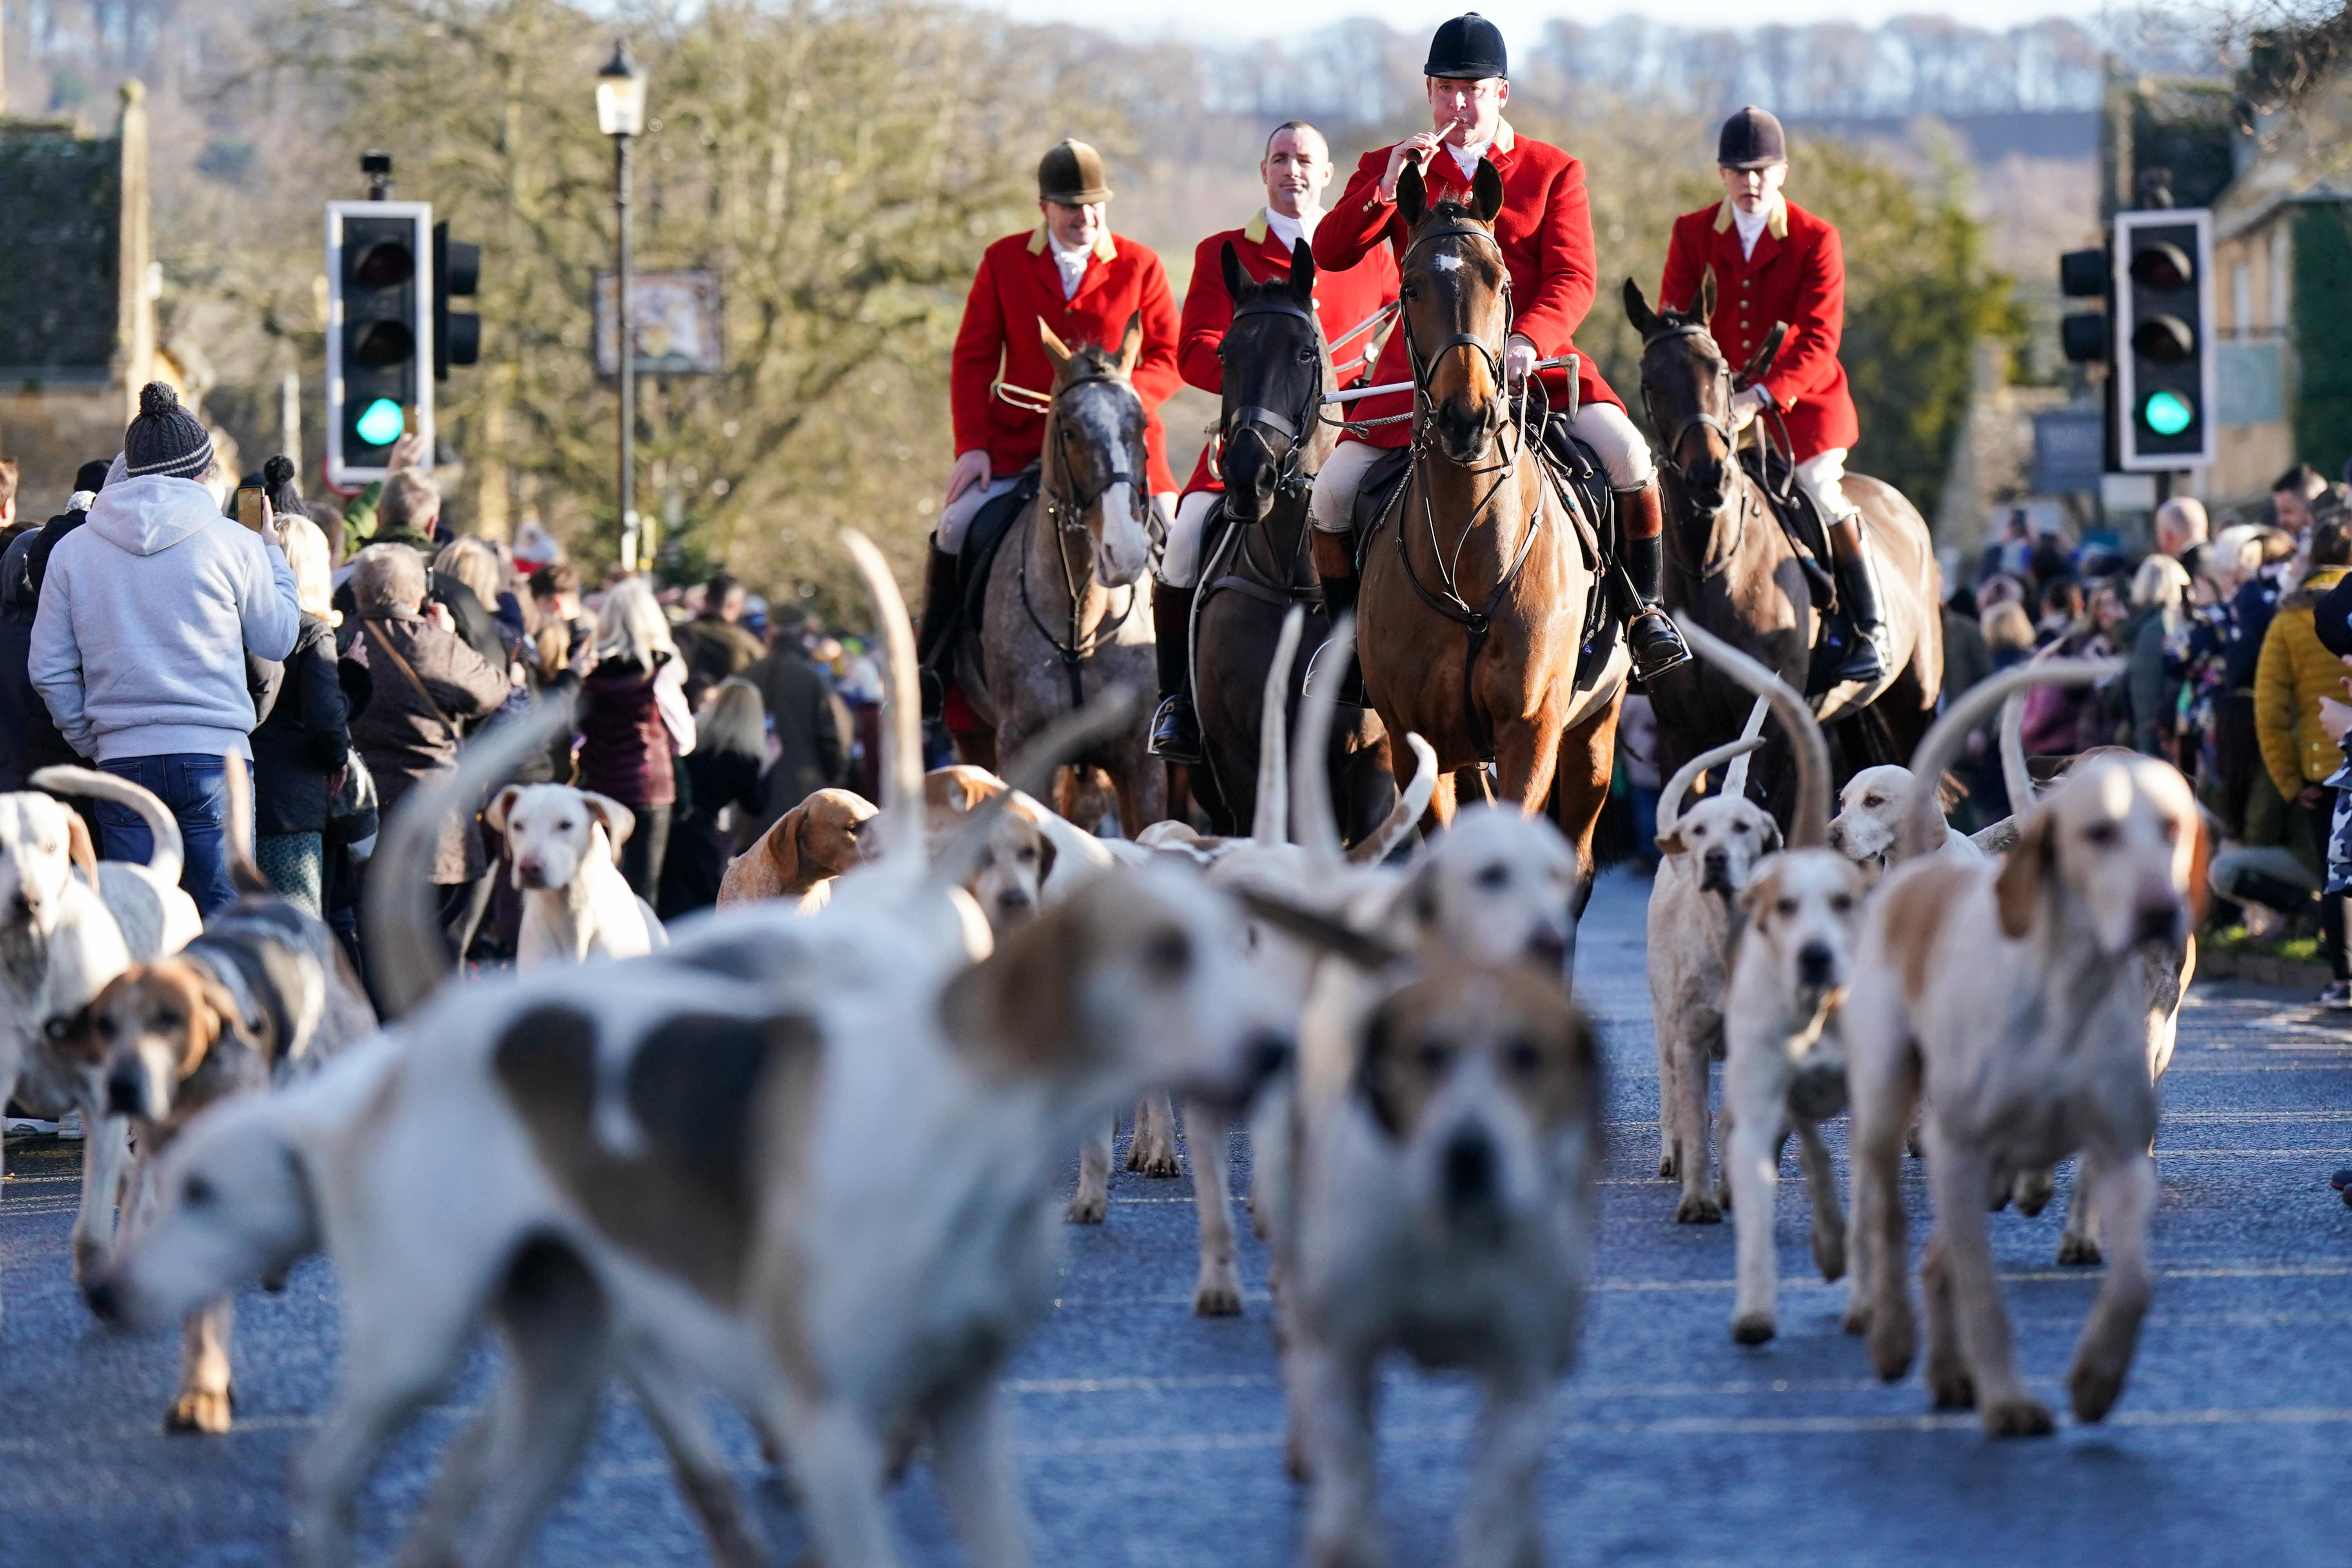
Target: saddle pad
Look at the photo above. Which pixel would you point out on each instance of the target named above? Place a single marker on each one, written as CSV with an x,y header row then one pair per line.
x,y
1382,479
982,541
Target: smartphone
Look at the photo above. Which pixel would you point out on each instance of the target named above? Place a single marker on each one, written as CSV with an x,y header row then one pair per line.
x,y
249,504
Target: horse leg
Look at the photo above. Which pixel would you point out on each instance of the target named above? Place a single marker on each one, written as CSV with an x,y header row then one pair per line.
x,y
1440,814
1586,757
1525,752
1140,804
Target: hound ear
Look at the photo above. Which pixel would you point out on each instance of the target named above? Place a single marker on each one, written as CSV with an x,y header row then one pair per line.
x,y
79,848
1770,837
1131,347
2201,872
1017,1009
619,820
1412,197
1318,931
2018,887
504,803
216,1014
1302,273
1056,349
1670,841
1706,291
1045,853
782,844
1486,192
1236,280
1637,309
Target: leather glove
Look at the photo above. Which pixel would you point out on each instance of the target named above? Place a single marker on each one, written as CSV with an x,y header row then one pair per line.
x,y
1746,404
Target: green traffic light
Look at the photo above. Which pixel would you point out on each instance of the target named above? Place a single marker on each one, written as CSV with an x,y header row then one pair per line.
x,y
2167,412
380,423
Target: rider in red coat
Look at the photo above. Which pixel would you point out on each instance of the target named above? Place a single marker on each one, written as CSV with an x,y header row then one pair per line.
x,y
1296,170
1544,232
1087,283
1774,261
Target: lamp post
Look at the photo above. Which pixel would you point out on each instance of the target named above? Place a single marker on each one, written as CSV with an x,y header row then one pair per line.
x,y
621,114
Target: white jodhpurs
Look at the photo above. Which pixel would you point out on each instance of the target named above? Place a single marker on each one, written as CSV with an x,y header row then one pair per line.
x,y
1179,564
1824,479
1333,503
956,520
1624,455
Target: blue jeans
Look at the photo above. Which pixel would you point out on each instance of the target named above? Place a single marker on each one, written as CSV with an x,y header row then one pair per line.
x,y
195,786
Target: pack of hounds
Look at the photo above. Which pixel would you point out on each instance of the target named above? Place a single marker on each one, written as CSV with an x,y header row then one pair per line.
x,y
680,1158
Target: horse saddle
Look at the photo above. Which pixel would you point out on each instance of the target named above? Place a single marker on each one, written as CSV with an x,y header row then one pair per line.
x,y
983,539
1808,538
1376,495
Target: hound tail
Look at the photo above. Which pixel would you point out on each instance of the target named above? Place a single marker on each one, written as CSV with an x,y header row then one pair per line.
x,y
171,853
244,874
902,713
1271,823
1923,823
1810,828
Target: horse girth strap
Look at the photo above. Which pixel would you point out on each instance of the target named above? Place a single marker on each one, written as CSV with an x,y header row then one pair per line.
x,y
1477,625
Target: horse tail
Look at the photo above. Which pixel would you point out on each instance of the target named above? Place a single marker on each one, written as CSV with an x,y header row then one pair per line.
x,y
1810,827
1273,817
1922,825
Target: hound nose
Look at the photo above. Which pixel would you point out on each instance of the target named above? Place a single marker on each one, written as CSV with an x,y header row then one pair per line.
x,y
1470,1170
126,1091
21,906
1014,900
104,1304
1550,948
2156,921
1267,1054
1714,872
1816,964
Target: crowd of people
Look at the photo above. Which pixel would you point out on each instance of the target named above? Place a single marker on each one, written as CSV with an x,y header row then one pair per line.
x,y
349,656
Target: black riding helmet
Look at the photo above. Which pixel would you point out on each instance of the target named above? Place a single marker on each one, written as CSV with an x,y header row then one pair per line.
x,y
1467,49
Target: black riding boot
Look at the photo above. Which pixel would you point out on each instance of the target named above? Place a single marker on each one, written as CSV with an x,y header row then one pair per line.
x,y
1656,646
1869,657
1175,728
931,632
1335,565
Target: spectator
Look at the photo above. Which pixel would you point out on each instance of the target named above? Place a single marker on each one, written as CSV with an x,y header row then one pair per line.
x,y
633,721
1965,659
2049,563
145,616
2000,588
714,645
720,796
29,740
2292,495
300,751
2181,530
2008,635
466,578
2294,672
426,682
2152,691
805,717
2061,611
9,527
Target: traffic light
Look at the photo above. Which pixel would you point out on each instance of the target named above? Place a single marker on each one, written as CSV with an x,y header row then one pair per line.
x,y
2165,368
2083,275
457,272
381,344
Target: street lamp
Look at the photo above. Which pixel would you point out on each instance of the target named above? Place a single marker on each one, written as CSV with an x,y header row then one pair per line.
x,y
621,114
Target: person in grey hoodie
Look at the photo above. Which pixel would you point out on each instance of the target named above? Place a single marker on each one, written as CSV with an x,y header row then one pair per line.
x,y
138,646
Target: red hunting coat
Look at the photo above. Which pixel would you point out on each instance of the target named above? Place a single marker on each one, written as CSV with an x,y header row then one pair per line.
x,y
1016,287
1797,276
1545,230
1342,301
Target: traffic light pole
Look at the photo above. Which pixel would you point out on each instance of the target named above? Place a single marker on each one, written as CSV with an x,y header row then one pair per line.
x,y
627,360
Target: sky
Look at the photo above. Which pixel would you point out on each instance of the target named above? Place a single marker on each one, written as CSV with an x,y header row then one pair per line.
x,y
1253,18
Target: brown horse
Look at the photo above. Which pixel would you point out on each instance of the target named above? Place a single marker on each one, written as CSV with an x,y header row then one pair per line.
x,y
1731,568
1273,437
1475,585
1067,614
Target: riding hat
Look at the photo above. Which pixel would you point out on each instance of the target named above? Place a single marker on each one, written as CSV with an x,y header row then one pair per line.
x,y
1467,49
1071,175
1751,139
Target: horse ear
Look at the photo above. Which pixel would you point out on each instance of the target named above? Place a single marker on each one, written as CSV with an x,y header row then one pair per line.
x,y
1236,280
1056,349
1412,197
1637,309
1302,273
1707,296
1486,192
1131,347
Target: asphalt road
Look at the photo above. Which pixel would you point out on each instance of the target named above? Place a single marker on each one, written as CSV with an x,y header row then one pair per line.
x,y
1149,1436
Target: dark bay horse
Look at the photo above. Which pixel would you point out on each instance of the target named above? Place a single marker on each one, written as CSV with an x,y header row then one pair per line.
x,y
1731,568
1067,614
1475,585
1273,437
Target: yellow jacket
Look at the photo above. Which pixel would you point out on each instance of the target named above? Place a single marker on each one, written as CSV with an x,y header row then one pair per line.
x,y
2294,674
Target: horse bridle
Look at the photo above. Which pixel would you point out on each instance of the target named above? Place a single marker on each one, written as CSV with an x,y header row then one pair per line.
x,y
1256,419
1670,454
1422,369
1067,514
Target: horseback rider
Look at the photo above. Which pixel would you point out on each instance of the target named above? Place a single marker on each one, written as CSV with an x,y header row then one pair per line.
x,y
1296,170
1776,262
1072,273
1545,233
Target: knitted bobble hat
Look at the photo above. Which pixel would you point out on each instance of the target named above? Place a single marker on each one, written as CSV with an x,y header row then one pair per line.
x,y
165,438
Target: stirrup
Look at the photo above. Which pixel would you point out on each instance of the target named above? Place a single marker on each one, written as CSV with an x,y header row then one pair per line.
x,y
1655,643
1866,660
1352,684
1175,732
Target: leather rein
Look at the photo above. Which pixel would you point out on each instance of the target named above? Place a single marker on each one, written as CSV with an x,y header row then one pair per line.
x,y
1291,482
1066,510
1669,452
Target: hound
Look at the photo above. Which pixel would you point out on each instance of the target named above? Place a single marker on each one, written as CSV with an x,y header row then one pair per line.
x,y
565,844
70,923
2011,994
1869,819
801,853
1709,850
1785,1054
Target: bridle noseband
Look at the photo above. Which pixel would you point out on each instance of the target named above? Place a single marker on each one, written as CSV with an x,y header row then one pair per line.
x,y
1255,420
1425,367
1670,454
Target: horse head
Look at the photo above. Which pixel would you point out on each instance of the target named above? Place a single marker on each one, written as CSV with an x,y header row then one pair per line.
x,y
1276,367
1457,311
1686,390
1096,478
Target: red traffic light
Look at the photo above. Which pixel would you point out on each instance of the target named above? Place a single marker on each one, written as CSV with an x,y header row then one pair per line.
x,y
2162,265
